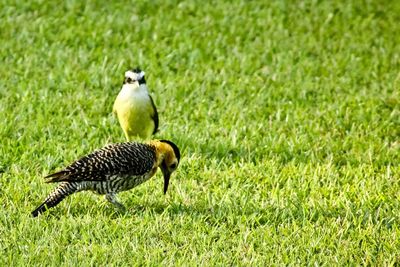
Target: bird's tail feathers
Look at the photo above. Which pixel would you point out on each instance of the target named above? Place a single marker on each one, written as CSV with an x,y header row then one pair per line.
x,y
57,177
52,200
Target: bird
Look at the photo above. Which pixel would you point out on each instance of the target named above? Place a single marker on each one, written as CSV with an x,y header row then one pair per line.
x,y
135,108
112,169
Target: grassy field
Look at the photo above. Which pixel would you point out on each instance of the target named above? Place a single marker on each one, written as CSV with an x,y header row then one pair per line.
x,y
287,114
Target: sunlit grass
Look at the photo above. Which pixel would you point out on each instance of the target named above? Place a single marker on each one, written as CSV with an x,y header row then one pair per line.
x,y
287,115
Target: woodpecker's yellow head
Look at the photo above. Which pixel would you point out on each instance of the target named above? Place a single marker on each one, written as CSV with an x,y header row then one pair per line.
x,y
134,76
168,157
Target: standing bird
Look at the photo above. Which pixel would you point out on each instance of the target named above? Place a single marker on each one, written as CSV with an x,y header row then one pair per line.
x,y
135,108
112,169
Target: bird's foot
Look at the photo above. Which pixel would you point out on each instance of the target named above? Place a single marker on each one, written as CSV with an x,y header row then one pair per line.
x,y
113,199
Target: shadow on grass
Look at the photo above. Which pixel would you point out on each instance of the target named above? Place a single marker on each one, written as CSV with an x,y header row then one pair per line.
x,y
255,217
213,215
250,216
219,151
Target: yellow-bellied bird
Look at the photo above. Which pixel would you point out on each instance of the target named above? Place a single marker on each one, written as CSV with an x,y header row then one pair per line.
x,y
112,169
135,108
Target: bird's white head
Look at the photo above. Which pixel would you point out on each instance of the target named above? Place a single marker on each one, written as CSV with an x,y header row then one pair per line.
x,y
134,76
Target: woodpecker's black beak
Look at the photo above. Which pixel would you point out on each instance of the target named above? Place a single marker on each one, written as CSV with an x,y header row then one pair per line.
x,y
167,175
166,182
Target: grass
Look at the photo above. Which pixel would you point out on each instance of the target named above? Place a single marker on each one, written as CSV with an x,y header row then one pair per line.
x,y
287,114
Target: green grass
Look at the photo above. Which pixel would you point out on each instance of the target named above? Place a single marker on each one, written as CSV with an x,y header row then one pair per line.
x,y
287,114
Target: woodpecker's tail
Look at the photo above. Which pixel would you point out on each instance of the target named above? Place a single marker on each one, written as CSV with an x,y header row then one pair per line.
x,y
63,190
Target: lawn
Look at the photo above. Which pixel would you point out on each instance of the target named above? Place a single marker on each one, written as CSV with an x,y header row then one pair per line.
x,y
287,114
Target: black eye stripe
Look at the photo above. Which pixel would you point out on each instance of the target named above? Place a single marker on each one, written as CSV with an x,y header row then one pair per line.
x,y
129,80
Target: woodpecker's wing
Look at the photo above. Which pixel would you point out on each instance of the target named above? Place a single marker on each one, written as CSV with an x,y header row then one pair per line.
x,y
154,115
130,159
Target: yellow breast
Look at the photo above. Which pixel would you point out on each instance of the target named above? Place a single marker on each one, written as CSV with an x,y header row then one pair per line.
x,y
135,112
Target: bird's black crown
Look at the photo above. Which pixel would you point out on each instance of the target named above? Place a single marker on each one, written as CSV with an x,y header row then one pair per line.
x,y
137,70
174,147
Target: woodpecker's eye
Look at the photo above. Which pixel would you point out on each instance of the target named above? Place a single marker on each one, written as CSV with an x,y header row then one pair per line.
x,y
173,166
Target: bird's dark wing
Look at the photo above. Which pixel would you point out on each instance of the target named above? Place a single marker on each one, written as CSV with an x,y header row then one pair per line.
x,y
120,159
154,116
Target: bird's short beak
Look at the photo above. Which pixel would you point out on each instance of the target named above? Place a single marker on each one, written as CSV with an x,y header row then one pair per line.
x,y
167,175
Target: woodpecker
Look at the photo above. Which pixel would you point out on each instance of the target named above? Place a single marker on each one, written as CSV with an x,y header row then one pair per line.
x,y
135,108
112,169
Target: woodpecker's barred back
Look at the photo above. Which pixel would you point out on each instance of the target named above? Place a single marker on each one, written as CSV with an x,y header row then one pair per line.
x,y
112,169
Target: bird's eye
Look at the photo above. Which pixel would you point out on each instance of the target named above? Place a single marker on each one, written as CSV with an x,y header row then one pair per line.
x,y
173,166
129,80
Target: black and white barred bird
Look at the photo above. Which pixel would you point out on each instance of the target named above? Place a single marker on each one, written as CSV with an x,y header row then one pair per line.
x,y
112,169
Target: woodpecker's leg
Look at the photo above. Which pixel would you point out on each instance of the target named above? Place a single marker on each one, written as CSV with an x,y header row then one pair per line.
x,y
111,197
